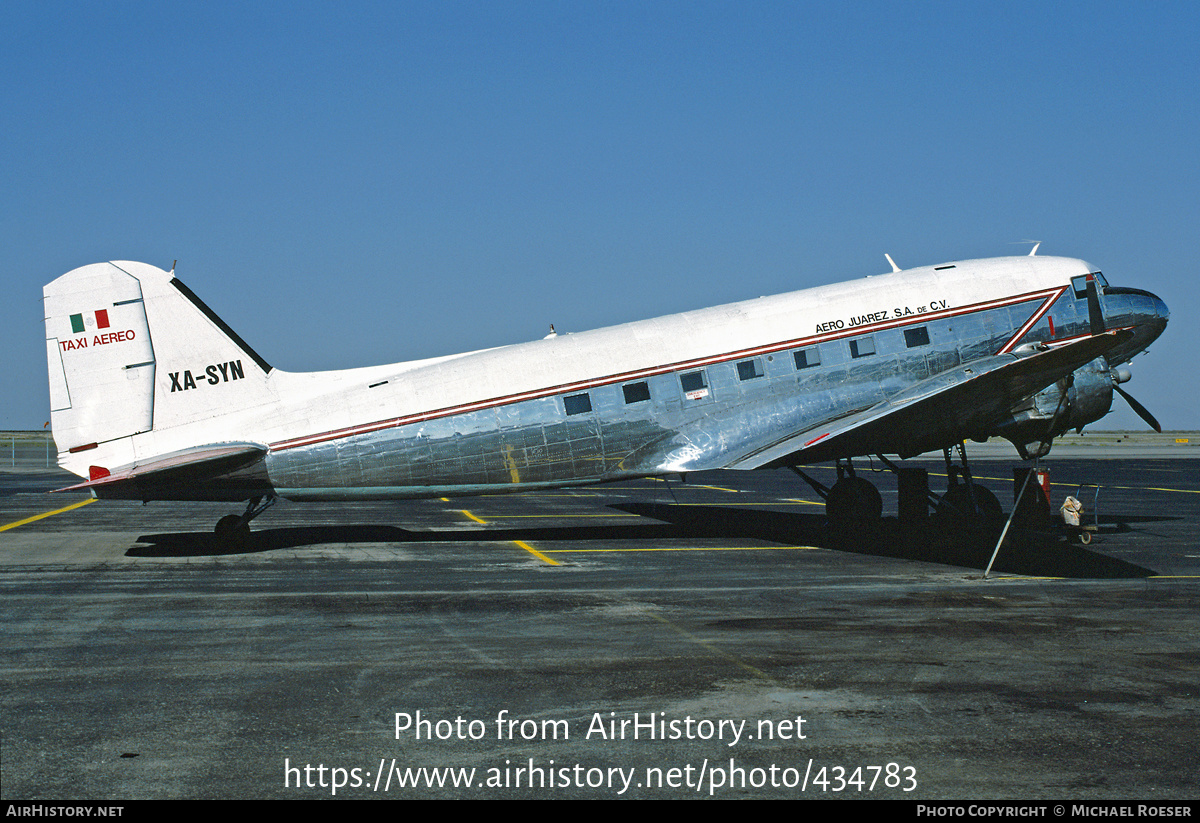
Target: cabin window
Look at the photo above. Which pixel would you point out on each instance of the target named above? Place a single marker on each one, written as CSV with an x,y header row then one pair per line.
x,y
636,392
916,337
577,403
750,369
862,347
694,384
807,358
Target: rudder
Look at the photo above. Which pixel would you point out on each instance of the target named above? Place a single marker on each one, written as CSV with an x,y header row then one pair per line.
x,y
100,356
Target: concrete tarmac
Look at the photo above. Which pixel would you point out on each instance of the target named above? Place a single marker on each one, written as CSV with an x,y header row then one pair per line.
x,y
636,640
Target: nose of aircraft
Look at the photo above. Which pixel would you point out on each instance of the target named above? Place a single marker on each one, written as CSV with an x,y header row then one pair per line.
x,y
1142,312
1160,309
1147,315
1154,318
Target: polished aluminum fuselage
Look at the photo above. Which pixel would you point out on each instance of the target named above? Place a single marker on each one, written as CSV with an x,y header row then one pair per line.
x,y
867,341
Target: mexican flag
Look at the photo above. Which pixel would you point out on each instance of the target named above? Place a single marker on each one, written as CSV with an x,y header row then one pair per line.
x,y
100,315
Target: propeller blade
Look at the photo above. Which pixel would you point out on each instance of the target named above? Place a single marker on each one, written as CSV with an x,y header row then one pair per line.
x,y
1141,410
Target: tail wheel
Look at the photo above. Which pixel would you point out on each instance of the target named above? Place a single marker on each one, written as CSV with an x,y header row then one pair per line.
x,y
232,529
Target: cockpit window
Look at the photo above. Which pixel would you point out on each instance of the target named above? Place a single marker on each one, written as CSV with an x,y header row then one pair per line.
x,y
1079,284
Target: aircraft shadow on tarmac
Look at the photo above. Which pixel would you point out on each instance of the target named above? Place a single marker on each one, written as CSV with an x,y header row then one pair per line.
x,y
198,544
1024,552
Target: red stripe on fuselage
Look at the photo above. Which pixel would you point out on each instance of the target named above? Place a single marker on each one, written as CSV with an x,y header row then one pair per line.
x,y
1048,295
1033,321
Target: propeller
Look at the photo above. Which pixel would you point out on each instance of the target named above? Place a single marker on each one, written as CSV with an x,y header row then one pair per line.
x,y
1141,410
1120,376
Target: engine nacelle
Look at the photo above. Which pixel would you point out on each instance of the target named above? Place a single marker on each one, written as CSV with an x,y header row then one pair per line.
x,y
1080,398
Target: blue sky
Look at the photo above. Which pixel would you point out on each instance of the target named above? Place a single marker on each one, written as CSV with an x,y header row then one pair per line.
x,y
357,183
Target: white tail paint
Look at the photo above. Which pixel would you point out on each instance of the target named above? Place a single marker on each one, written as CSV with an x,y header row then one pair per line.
x,y
131,350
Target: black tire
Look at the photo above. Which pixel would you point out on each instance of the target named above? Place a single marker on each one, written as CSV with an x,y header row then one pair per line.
x,y
958,505
853,503
231,531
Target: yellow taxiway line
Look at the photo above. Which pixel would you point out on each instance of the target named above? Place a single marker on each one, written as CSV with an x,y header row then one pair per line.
x,y
536,553
520,543
692,549
47,514
704,644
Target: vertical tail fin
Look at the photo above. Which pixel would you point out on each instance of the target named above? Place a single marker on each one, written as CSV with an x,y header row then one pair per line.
x,y
131,350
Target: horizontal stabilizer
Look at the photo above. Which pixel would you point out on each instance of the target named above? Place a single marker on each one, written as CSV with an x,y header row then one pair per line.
x,y
947,408
188,469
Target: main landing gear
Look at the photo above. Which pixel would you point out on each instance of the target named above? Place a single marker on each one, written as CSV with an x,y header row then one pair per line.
x,y
854,504
853,499
235,528
966,503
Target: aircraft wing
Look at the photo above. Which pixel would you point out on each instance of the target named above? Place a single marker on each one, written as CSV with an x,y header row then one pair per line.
x,y
186,469
946,408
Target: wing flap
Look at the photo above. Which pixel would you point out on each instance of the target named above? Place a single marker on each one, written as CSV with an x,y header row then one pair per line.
x,y
946,408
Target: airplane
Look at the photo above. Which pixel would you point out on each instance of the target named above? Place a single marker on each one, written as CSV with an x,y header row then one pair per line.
x,y
154,397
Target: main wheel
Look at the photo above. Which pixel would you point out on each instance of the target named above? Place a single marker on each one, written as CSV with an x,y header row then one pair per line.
x,y
853,503
972,502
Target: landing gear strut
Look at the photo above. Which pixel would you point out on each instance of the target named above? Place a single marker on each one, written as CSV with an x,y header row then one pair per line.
x,y
855,504
235,528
